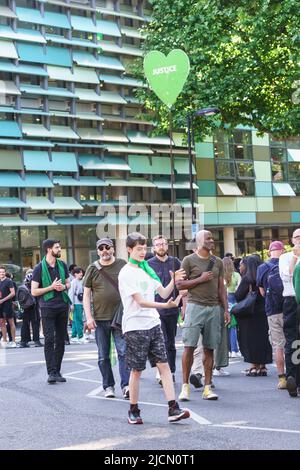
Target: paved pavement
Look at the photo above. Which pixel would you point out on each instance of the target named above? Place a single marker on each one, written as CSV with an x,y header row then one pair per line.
x,y
250,413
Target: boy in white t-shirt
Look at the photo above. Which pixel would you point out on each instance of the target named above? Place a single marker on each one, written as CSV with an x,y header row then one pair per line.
x,y
138,284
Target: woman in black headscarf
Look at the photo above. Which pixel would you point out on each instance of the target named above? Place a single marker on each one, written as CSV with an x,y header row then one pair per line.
x,y
253,330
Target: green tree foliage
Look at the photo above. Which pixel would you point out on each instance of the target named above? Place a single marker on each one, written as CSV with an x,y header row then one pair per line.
x,y
245,59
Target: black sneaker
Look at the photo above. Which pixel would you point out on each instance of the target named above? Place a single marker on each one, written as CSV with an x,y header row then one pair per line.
x,y
52,379
176,413
22,344
291,386
195,379
134,417
60,378
38,344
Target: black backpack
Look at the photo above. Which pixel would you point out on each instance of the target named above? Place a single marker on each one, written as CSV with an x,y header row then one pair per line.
x,y
274,298
24,297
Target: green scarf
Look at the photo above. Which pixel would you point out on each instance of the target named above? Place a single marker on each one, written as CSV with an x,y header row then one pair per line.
x,y
296,281
145,267
47,281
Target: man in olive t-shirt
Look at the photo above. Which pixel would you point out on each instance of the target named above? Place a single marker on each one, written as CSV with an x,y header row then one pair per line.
x,y
206,294
100,286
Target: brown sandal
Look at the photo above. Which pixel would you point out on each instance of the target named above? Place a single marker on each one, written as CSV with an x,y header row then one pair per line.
x,y
262,372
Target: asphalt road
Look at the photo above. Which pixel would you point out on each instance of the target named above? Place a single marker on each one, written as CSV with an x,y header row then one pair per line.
x,y
250,413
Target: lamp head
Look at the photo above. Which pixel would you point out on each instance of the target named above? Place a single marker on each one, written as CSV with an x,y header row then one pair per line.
x,y
207,111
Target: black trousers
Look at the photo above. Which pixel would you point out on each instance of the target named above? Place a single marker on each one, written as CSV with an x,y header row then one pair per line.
x,y
291,314
30,316
169,329
54,326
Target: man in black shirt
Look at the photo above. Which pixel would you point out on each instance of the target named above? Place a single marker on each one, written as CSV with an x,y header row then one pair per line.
x,y
50,282
162,264
7,292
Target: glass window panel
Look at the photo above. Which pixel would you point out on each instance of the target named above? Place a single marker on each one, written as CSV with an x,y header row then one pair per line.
x,y
278,154
247,187
59,233
279,171
85,236
296,188
245,170
294,171
225,169
276,142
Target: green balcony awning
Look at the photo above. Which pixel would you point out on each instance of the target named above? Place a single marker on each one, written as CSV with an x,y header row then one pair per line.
x,y
64,161
92,162
9,129
25,143
8,50
229,189
88,133
11,180
85,59
10,160
56,39
121,14
51,55
30,15
39,161
115,148
83,181
182,166
80,74
143,138
111,135
58,132
8,87
120,219
122,81
12,203
60,203
31,222
110,63
283,189
22,69
81,23
166,184
293,155
7,12
107,46
36,180
21,34
105,96
108,28
133,182
140,164
51,91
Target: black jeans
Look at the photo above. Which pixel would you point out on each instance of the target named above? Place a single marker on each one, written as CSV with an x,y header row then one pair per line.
x,y
30,315
291,333
169,329
54,327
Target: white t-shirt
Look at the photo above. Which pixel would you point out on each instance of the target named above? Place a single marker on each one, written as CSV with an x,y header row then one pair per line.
x,y
287,278
133,280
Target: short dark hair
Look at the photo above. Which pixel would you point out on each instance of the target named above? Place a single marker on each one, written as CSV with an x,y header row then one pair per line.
x,y
49,243
78,270
134,239
72,267
3,267
8,275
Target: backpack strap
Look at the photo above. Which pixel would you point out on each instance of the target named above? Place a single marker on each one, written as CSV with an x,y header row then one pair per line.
x,y
107,276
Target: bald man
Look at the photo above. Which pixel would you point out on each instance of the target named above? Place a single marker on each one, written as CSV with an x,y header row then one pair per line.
x,y
287,263
206,297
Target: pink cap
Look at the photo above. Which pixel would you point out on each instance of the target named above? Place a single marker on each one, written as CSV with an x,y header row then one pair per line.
x,y
277,245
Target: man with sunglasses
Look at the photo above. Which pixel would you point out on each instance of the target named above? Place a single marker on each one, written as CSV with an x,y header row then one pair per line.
x,y
100,285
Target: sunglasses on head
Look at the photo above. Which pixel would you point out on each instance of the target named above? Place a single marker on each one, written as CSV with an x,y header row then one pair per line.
x,y
104,247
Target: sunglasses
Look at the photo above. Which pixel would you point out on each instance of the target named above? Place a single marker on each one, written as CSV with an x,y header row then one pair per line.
x,y
104,247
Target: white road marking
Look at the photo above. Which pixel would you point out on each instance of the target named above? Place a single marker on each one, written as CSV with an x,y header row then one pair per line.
x,y
199,419
257,428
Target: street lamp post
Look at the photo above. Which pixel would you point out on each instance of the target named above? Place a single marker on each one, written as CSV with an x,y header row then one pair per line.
x,y
190,116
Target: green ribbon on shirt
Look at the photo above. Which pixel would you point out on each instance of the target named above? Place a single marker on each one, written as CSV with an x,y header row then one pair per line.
x,y
296,282
145,267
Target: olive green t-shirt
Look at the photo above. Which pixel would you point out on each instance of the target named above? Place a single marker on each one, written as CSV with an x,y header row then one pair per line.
x,y
105,297
205,293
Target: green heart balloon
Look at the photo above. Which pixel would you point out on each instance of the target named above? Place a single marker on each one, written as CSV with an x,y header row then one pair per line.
x,y
167,75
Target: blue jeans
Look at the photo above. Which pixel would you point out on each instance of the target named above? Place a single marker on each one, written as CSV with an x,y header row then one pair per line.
x,y
102,335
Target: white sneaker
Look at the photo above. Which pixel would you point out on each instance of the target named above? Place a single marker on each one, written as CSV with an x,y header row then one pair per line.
x,y
91,337
235,354
208,394
83,340
12,344
126,393
220,372
185,393
109,392
74,341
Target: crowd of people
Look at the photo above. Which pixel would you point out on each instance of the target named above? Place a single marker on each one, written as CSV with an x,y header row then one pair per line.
x,y
227,308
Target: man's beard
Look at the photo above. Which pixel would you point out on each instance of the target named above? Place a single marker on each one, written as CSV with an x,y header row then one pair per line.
x,y
161,254
56,255
106,257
